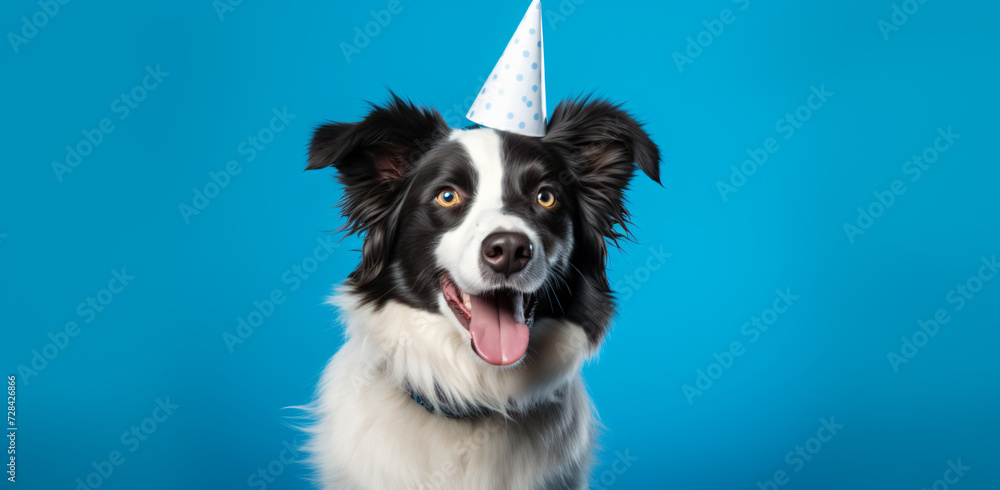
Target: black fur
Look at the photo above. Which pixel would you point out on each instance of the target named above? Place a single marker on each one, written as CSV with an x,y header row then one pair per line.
x,y
371,158
599,144
394,162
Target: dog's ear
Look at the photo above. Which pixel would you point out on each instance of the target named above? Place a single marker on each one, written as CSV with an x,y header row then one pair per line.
x,y
382,146
607,139
603,144
372,157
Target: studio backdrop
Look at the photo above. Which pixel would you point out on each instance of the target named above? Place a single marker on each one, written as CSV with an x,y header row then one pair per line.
x,y
810,300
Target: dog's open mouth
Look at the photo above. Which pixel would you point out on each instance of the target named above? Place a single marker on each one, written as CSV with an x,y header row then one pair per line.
x,y
497,321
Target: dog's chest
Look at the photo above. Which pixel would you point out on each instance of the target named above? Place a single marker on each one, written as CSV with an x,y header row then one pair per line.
x,y
380,438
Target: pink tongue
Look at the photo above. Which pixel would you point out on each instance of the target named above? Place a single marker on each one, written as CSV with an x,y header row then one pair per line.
x,y
496,336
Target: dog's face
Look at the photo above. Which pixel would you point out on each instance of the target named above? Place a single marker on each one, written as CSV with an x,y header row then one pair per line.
x,y
491,229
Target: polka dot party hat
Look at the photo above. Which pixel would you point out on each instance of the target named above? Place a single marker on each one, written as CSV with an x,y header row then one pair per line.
x,y
513,98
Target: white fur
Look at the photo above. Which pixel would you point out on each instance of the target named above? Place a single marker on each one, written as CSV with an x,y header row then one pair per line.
x,y
370,434
459,251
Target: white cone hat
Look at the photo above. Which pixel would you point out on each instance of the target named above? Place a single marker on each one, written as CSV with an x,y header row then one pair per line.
x,y
513,98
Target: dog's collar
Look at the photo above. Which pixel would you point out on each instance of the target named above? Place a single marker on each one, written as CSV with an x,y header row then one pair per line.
x,y
476,412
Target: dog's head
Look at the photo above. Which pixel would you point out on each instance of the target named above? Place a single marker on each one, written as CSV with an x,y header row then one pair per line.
x,y
492,229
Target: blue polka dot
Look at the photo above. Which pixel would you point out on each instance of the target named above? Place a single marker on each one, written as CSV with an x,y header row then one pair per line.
x,y
489,106
484,91
510,115
531,31
534,88
529,103
534,66
473,113
539,44
517,41
524,99
495,77
536,116
520,77
525,54
521,125
507,66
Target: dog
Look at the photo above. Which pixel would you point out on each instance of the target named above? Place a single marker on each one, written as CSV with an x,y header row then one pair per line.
x,y
480,292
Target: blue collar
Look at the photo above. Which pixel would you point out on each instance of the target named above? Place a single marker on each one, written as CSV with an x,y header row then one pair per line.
x,y
477,412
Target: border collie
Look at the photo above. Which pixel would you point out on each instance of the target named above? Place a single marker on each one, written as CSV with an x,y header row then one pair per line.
x,y
481,291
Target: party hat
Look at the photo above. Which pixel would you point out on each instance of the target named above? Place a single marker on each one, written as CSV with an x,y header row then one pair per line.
x,y
513,98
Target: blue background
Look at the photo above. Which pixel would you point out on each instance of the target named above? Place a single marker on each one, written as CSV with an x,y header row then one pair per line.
x,y
825,357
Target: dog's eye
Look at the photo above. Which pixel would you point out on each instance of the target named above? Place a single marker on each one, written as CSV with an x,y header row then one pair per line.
x,y
448,198
546,198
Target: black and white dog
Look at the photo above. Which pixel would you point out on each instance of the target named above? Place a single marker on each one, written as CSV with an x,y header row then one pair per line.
x,y
480,292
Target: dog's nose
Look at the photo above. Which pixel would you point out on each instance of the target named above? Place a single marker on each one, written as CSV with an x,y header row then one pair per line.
x,y
507,252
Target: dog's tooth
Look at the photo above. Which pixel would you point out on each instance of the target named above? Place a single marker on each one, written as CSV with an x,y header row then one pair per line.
x,y
467,300
518,300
